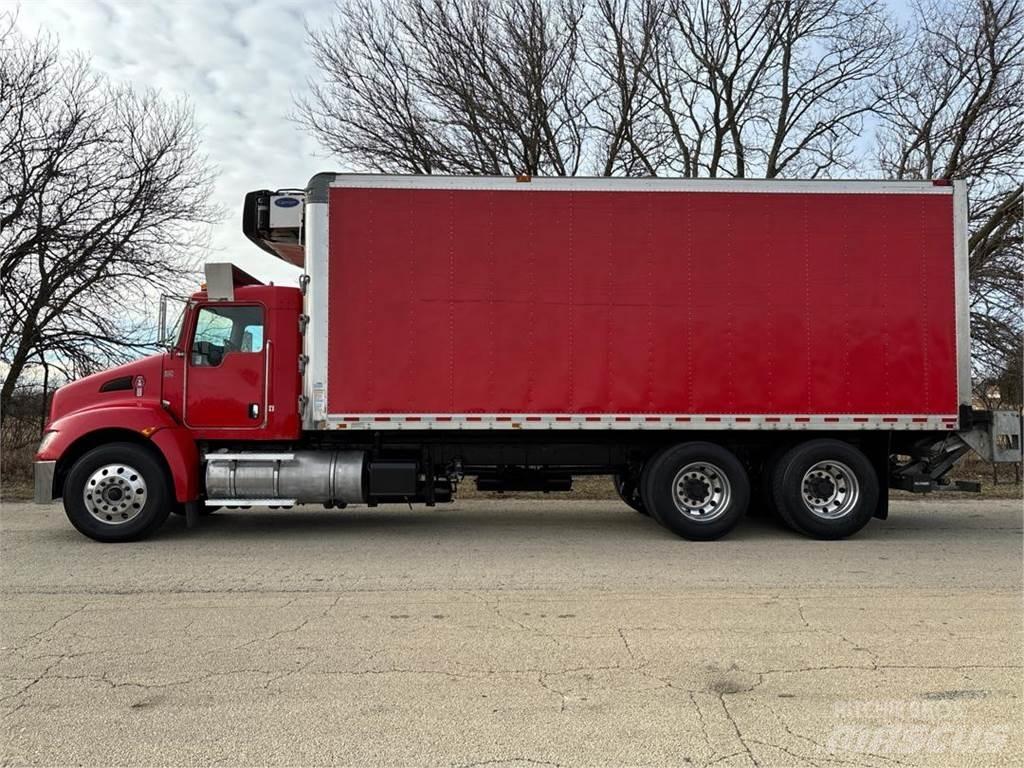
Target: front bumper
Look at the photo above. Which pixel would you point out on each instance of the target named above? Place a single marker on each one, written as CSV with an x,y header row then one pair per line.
x,y
44,471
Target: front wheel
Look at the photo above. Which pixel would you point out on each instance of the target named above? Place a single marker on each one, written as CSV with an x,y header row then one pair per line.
x,y
117,492
825,488
698,490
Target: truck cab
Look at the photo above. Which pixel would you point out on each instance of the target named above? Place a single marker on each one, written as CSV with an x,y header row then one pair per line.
x,y
226,374
133,434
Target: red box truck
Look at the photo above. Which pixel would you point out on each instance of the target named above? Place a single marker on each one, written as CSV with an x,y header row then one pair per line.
x,y
710,344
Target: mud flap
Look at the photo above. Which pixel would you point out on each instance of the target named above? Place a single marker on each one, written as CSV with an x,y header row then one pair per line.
x,y
191,514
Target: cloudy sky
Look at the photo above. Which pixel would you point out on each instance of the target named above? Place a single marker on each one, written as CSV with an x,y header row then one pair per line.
x,y
238,61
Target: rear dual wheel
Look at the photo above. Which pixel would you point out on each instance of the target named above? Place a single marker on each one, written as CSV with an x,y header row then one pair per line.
x,y
825,488
698,490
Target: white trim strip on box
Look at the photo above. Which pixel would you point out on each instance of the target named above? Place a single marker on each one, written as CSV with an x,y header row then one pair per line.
x,y
961,287
314,383
843,421
603,184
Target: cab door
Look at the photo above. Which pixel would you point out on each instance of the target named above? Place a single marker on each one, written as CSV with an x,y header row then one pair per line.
x,y
226,368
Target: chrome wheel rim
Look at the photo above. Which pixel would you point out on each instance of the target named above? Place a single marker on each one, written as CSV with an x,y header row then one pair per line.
x,y
701,491
115,494
830,490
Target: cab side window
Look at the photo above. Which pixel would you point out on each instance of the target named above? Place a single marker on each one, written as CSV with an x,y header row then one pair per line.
x,y
225,330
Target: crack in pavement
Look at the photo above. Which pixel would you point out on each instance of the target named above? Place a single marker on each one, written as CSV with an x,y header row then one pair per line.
x,y
878,667
723,758
62,619
561,694
831,753
752,748
505,760
833,633
287,631
783,749
736,728
725,688
703,722
31,683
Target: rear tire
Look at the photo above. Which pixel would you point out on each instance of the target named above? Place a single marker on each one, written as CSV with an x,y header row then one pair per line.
x,y
117,492
698,490
825,488
629,491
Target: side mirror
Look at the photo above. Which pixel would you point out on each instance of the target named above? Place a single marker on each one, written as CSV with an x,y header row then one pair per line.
x,y
167,337
162,323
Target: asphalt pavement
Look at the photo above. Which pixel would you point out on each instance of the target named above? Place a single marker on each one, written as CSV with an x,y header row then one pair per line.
x,y
513,633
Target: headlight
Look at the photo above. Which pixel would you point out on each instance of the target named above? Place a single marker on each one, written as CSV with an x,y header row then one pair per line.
x,y
48,438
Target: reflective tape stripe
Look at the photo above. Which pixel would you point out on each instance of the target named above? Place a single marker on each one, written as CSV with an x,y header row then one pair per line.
x,y
642,421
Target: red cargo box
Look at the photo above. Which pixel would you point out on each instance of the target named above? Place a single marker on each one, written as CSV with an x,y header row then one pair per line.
x,y
569,303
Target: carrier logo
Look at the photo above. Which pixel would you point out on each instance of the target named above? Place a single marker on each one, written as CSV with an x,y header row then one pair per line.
x,y
286,202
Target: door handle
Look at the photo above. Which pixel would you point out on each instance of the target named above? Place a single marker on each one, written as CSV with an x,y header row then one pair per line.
x,y
254,410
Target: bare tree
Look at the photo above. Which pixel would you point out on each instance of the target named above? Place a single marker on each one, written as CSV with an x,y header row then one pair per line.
x,y
953,109
766,88
101,189
441,86
621,41
652,87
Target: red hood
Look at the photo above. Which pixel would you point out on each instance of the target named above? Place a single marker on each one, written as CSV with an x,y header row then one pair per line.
x,y
114,386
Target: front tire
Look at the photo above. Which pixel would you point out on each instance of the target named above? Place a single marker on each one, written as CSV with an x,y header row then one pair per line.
x,y
825,488
698,490
117,492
